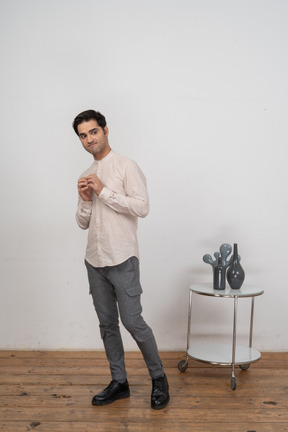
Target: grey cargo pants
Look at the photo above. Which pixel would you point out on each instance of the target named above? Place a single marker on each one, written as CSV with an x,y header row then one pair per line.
x,y
120,285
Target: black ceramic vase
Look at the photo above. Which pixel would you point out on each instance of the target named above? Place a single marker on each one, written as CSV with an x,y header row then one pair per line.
x,y
235,272
219,276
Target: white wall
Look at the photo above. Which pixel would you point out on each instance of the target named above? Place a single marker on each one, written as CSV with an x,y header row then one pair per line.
x,y
195,92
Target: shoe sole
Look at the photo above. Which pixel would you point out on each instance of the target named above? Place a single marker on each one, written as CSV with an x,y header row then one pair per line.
x,y
121,395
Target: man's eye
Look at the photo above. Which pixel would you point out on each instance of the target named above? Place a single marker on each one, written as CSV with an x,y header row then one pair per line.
x,y
94,132
82,136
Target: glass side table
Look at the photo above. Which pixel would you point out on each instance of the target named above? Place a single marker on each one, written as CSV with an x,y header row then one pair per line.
x,y
223,354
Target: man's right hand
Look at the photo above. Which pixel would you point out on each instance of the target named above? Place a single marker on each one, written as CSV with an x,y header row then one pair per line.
x,y
84,190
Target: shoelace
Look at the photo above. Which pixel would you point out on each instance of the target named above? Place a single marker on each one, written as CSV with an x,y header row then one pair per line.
x,y
110,385
157,385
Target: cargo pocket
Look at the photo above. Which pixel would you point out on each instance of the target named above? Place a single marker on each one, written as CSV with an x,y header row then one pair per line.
x,y
132,283
133,291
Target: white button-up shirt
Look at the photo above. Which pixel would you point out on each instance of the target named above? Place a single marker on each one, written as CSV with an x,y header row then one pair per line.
x,y
112,217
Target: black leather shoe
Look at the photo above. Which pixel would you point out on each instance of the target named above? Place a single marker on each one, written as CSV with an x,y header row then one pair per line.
x,y
160,393
114,391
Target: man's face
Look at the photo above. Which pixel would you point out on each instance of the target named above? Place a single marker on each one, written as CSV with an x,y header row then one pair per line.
x,y
94,139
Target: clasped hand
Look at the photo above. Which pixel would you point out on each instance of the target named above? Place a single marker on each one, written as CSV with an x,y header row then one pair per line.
x,y
87,184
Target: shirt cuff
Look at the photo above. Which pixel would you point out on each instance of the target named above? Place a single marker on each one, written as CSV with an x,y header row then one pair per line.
x,y
86,204
105,194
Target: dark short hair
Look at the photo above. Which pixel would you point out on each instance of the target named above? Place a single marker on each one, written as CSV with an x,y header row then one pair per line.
x,y
86,116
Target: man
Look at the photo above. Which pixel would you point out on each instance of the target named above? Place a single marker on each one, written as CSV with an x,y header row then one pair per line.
x,y
112,195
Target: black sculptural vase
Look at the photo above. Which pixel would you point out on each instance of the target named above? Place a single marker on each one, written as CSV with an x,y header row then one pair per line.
x,y
235,272
219,276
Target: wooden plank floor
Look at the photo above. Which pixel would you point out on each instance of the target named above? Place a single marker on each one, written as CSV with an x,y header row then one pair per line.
x,y
51,392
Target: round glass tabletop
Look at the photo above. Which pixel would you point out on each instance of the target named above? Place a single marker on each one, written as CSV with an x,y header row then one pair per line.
x,y
245,291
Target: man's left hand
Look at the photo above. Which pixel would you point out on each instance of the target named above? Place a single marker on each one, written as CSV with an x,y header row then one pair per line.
x,y
95,183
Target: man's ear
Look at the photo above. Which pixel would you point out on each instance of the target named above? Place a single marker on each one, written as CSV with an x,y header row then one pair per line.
x,y
106,130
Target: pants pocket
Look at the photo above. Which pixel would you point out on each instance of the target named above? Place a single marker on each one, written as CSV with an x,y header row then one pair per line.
x,y
134,290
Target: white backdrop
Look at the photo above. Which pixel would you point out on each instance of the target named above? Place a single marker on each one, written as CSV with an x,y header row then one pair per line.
x,y
196,92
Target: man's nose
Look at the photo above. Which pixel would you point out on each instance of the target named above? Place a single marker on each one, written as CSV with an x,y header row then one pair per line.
x,y
90,138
